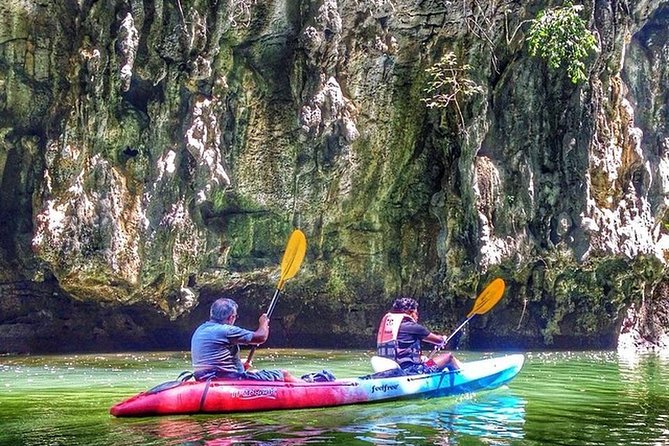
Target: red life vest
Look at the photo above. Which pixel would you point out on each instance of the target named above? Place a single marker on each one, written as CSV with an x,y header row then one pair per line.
x,y
386,338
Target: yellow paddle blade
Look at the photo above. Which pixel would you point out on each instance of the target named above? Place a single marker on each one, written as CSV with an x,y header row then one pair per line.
x,y
488,297
296,248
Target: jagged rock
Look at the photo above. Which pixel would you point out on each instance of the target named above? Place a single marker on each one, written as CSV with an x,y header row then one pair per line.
x,y
154,155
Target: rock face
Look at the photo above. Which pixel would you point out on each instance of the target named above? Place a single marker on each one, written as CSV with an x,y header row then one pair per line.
x,y
154,154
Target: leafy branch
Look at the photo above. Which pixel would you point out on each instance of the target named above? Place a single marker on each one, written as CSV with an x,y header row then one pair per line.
x,y
449,83
560,37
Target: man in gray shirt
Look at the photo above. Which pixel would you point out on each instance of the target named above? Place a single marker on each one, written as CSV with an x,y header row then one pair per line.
x,y
215,346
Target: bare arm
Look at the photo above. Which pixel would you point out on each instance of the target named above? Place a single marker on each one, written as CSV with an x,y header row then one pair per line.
x,y
262,333
434,338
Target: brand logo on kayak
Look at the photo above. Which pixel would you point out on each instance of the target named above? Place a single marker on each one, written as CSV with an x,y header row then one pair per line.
x,y
384,388
250,394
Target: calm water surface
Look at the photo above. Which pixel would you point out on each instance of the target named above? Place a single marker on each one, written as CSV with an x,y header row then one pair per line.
x,y
592,398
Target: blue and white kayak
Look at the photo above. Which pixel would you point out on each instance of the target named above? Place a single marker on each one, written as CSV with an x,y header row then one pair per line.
x,y
223,396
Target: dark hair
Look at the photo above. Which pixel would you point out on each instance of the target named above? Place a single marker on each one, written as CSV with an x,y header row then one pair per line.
x,y
404,304
221,310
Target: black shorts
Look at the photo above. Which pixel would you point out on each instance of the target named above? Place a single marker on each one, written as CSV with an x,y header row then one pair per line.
x,y
257,375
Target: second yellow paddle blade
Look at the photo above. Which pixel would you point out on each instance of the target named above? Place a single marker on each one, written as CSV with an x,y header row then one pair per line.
x,y
488,297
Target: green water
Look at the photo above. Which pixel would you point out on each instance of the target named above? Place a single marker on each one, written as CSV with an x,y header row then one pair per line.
x,y
593,398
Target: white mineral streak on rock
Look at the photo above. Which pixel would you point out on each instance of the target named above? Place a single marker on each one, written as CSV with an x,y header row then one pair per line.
x,y
625,229
328,16
50,223
529,175
93,228
188,242
310,117
121,215
631,342
662,239
128,41
203,142
321,40
52,149
199,66
624,225
487,187
187,299
564,224
92,60
312,41
589,225
381,8
166,164
329,111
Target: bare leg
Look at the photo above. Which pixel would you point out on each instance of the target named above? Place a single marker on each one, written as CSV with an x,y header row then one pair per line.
x,y
290,378
447,360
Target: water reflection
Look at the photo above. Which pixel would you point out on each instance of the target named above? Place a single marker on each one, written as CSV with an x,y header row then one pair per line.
x,y
594,398
491,418
494,418
644,379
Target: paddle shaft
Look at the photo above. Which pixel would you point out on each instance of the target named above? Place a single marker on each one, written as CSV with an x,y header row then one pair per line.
x,y
486,300
438,347
272,304
290,264
458,329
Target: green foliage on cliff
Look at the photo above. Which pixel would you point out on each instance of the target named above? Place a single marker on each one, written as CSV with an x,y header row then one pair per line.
x,y
449,84
560,36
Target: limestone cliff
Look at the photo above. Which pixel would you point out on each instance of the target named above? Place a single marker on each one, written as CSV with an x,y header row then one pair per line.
x,y
154,154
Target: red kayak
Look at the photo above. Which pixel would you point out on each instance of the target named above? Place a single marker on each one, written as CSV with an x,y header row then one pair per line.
x,y
220,396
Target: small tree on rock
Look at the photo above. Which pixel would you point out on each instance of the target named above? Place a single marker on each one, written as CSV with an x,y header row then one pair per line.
x,y
560,36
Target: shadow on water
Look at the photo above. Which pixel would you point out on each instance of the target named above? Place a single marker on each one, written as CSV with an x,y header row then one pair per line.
x,y
494,418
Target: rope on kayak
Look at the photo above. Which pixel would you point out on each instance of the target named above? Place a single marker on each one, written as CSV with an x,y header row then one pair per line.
x,y
204,393
451,377
185,376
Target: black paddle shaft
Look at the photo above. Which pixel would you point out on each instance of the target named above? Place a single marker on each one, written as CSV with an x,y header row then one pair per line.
x,y
272,304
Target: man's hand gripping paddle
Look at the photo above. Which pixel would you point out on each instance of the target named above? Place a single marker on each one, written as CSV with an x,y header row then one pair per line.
x,y
296,248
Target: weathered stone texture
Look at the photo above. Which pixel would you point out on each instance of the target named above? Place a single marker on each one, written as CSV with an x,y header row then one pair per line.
x,y
155,153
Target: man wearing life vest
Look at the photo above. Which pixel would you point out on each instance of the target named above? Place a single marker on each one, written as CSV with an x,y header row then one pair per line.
x,y
399,338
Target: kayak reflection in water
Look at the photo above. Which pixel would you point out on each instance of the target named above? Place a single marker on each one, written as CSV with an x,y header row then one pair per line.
x,y
215,346
491,418
399,338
